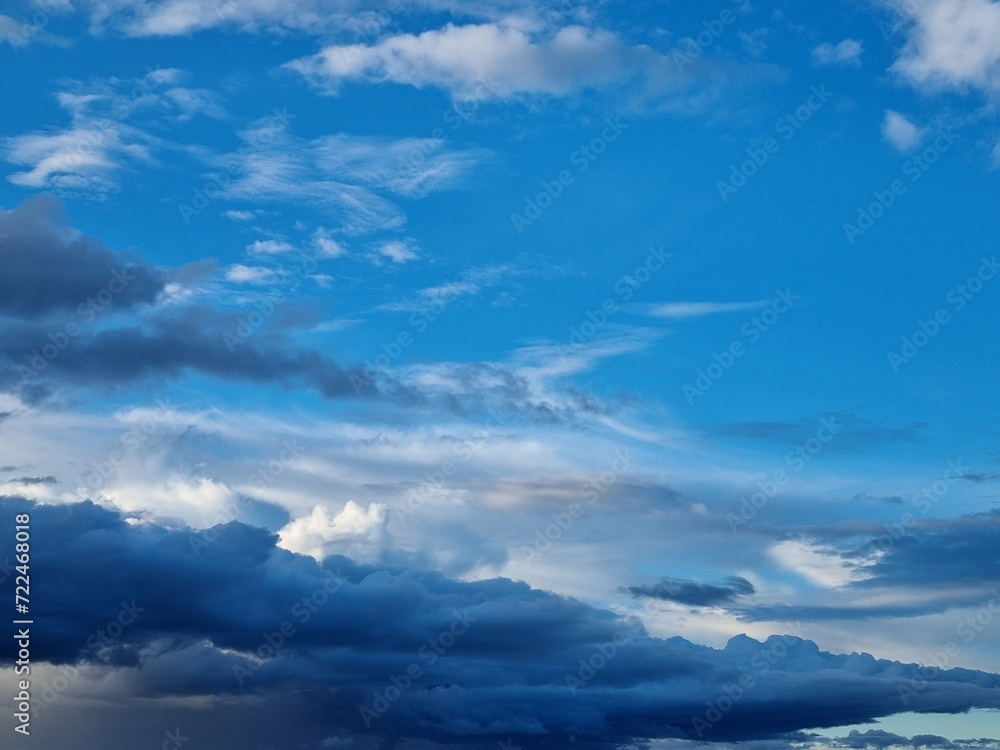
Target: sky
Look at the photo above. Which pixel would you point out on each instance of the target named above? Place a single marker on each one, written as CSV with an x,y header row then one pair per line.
x,y
502,374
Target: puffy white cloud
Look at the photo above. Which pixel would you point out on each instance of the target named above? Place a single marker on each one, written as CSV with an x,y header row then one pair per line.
x,y
241,274
953,44
899,131
354,531
490,61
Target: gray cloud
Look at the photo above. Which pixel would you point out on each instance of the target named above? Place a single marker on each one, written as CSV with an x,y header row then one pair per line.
x,y
207,603
694,593
48,267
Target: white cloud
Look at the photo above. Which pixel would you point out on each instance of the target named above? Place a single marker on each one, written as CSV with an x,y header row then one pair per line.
x,y
399,251
354,531
450,291
268,247
326,245
360,18
241,274
697,309
107,132
953,44
847,52
339,174
239,215
79,159
899,131
491,60
12,31
409,166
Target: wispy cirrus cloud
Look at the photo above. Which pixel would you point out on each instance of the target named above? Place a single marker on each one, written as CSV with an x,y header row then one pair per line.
x,y
682,310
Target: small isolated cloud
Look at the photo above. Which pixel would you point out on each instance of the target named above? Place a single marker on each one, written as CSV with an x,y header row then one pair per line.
x,y
239,215
399,251
698,309
326,245
241,274
847,52
899,131
268,247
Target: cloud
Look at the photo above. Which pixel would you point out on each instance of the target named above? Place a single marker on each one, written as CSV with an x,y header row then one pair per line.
x,y
411,167
846,52
34,480
340,175
900,132
354,531
507,671
171,345
491,61
698,309
241,274
694,593
398,251
952,45
107,134
910,568
268,247
48,267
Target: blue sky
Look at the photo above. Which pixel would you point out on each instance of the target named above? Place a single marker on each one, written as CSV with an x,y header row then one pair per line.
x,y
661,321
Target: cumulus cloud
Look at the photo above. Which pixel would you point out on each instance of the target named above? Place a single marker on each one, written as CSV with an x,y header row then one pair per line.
x,y
952,44
354,531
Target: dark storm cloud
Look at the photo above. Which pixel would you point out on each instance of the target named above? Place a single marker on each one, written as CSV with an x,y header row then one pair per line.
x,y
173,345
48,267
952,562
526,665
936,552
694,593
